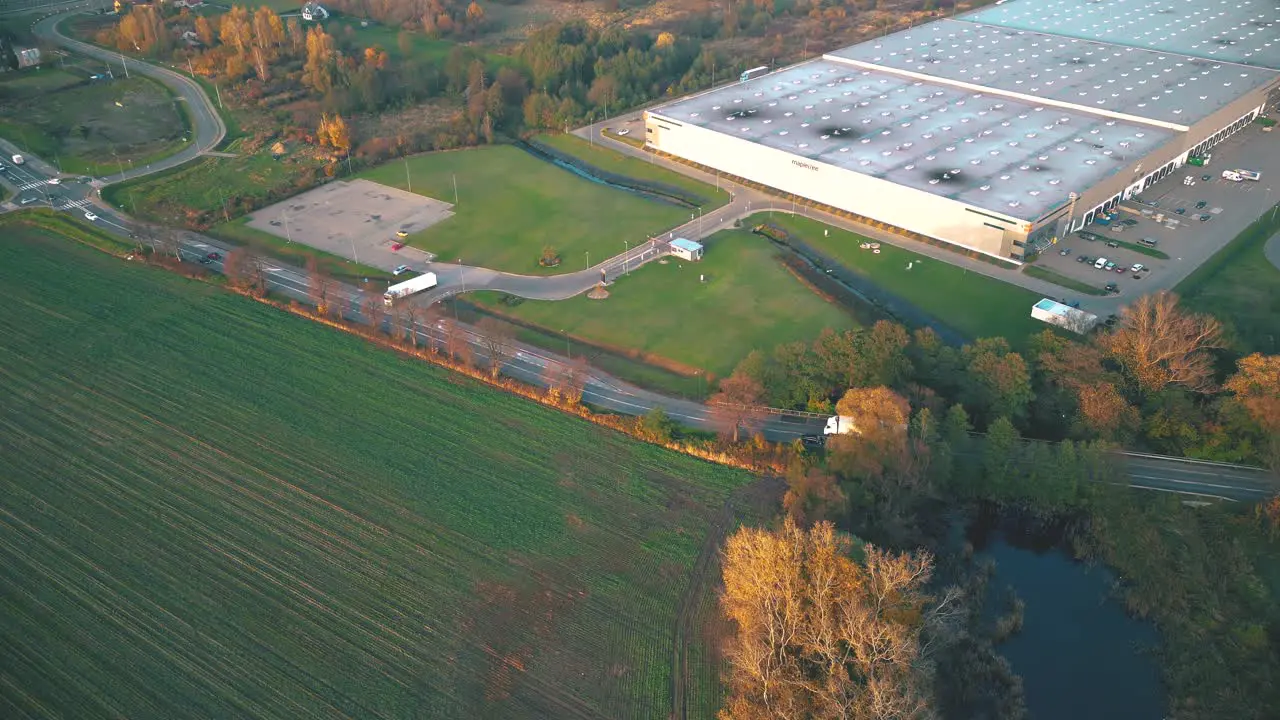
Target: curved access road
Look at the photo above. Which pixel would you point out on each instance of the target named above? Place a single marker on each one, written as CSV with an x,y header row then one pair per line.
x,y
208,126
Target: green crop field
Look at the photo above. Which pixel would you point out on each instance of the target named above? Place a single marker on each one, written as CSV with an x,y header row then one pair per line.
x,y
974,304
511,205
750,301
211,508
96,128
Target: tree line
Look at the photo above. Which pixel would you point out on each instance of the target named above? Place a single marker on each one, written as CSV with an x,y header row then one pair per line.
x,y
1161,379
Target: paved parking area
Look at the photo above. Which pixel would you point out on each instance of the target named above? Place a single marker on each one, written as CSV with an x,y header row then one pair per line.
x,y
1187,241
357,220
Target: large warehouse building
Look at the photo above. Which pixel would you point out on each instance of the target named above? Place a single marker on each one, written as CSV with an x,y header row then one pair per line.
x,y
999,130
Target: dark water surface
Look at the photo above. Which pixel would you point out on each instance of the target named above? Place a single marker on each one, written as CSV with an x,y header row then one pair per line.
x,y
1079,654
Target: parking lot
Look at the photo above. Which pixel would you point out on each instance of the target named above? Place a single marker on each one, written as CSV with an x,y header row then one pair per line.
x,y
357,219
1181,235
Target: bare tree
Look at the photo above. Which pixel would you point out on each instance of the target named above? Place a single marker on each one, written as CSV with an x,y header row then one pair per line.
x,y
736,406
498,339
452,338
372,306
256,272
1159,344
236,268
168,241
567,381
820,636
319,286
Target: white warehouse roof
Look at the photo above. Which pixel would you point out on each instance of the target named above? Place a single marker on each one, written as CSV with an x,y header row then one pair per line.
x,y
1164,87
1237,31
1014,157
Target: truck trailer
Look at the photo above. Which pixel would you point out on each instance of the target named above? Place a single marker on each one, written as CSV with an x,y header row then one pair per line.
x,y
754,73
839,425
1249,174
425,281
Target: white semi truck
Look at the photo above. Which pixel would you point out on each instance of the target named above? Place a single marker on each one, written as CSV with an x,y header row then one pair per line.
x,y
839,425
17,160
425,281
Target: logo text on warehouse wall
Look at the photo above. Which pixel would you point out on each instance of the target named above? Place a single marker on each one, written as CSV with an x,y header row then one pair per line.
x,y
805,165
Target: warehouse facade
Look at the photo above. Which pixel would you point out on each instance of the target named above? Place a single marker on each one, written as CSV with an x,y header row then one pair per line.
x,y
998,139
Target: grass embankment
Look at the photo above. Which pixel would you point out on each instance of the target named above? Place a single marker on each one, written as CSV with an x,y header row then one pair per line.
x,y
602,157
1240,287
666,315
1210,579
215,508
632,140
511,205
974,304
207,191
95,127
1058,278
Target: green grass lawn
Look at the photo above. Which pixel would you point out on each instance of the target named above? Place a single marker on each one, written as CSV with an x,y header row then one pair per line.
x,y
1057,278
750,301
604,158
34,82
1241,288
212,508
97,128
974,304
511,205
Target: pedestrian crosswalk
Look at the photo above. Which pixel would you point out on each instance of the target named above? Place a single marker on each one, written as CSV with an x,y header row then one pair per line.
x,y
33,185
72,204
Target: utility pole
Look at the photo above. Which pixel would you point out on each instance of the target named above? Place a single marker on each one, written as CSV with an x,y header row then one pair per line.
x,y
190,70
218,90
455,190
287,233
126,66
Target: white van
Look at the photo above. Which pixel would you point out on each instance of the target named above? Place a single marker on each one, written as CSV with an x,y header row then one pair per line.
x,y
1149,242
1102,262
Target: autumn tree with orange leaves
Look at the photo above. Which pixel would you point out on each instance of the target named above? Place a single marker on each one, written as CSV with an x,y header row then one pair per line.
x,y
1159,344
1256,387
820,636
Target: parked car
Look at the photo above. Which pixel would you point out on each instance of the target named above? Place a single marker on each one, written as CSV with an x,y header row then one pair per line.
x,y
1137,267
396,246
1064,251
1181,211
1110,265
90,216
1113,288
1120,269
1206,217
1200,205
1206,178
1100,263
1082,258
400,270
1113,244
624,131
402,234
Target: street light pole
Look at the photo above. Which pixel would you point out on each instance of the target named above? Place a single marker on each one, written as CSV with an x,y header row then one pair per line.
x,y
626,248
409,181
588,258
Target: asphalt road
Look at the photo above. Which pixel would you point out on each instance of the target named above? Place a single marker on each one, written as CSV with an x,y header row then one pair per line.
x,y
209,128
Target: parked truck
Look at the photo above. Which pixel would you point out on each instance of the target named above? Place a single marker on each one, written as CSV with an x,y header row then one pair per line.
x,y
17,160
839,425
1232,175
425,281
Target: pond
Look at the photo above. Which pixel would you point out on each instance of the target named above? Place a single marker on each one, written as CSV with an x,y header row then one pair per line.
x,y
1079,654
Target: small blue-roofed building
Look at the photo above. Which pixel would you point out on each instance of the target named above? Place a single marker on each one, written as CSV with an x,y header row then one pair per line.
x,y
686,249
1064,316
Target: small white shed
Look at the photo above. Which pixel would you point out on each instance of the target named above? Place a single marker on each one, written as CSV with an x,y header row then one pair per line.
x,y
686,249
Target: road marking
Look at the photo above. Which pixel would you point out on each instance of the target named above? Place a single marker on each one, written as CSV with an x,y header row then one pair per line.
x,y
1180,492
1198,483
